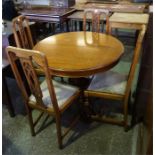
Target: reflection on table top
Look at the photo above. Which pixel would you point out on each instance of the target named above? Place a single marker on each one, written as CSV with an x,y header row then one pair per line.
x,y
80,53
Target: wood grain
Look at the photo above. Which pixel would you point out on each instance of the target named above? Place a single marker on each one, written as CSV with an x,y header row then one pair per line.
x,y
80,54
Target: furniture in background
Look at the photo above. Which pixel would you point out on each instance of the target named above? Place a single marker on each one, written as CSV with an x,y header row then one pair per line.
x,y
128,8
123,7
49,15
96,15
125,20
51,3
77,18
22,32
48,96
115,85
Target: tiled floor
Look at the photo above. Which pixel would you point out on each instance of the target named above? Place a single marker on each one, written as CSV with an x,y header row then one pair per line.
x,y
94,138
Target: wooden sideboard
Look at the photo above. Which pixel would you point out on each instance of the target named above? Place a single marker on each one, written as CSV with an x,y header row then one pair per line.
x,y
48,14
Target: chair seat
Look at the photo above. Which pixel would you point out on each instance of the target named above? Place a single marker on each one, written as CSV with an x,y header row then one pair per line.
x,y
63,93
112,81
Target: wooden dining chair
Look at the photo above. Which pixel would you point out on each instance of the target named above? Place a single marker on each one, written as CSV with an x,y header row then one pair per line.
x,y
96,15
23,36
49,96
22,32
115,85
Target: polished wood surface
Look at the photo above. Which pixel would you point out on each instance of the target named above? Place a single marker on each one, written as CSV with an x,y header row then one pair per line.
x,y
78,54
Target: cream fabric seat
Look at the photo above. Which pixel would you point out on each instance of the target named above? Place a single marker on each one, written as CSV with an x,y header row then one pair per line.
x,y
63,93
112,81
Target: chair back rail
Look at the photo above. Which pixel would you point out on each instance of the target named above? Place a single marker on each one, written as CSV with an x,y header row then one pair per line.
x,y
22,33
96,17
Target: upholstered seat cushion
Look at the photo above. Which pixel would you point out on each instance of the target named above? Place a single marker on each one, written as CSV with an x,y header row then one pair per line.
x,y
63,93
112,81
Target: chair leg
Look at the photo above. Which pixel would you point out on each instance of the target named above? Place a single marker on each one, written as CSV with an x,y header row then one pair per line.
x,y
126,115
31,122
126,107
59,136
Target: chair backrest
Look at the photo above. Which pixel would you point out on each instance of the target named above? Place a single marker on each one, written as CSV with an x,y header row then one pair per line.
x,y
22,33
96,17
27,59
142,29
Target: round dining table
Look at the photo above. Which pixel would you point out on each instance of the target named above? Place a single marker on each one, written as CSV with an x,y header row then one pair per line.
x,y
80,54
